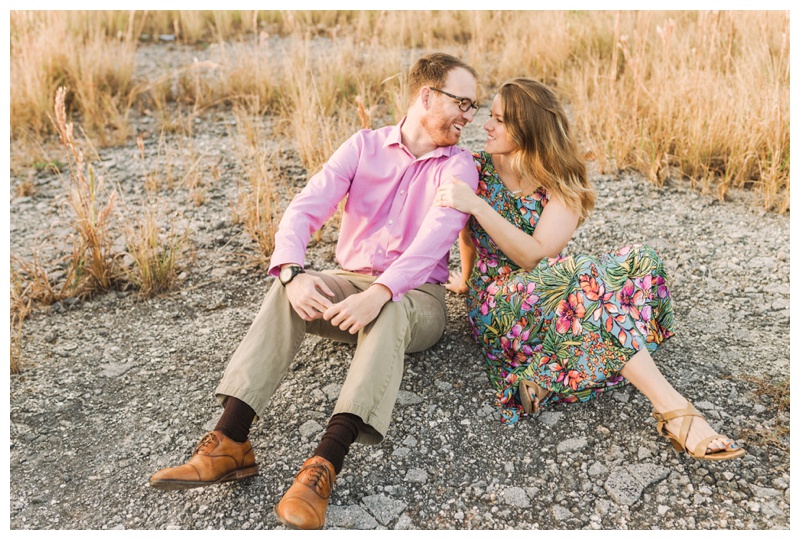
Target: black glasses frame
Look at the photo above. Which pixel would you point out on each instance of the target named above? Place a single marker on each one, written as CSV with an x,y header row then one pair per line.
x,y
464,104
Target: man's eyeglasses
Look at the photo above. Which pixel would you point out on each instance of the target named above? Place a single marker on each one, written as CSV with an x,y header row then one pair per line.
x,y
465,104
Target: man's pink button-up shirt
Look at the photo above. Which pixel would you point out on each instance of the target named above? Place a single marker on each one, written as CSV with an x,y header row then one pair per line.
x,y
390,227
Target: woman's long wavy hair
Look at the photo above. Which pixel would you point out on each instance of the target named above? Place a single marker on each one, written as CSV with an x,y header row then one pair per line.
x,y
546,152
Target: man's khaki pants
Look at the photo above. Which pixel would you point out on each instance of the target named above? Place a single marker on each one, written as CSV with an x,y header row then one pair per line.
x,y
370,389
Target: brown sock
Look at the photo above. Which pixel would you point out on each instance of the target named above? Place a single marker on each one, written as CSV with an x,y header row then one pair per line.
x,y
236,419
341,432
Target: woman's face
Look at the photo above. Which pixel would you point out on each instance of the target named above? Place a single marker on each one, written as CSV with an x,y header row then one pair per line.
x,y
498,140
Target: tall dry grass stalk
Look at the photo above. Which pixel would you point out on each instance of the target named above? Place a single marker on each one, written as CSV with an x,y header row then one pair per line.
x,y
154,249
93,208
258,205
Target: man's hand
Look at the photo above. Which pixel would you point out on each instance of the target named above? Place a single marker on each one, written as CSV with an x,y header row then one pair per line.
x,y
305,296
357,311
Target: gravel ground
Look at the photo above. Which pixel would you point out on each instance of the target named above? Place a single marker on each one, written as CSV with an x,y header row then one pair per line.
x,y
116,387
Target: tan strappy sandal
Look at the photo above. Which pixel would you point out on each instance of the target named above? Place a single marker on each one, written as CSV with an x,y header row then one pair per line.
x,y
732,451
529,405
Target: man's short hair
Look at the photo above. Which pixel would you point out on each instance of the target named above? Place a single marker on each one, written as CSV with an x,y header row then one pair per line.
x,y
432,70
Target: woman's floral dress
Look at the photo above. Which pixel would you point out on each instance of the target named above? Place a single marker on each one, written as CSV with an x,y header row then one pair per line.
x,y
571,323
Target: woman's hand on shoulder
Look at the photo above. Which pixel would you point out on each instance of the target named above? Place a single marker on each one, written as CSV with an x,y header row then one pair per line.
x,y
458,195
457,283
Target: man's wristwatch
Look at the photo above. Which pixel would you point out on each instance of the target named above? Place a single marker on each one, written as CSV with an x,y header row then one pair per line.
x,y
288,273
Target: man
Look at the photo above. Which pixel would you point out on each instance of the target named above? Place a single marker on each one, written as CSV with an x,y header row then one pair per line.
x,y
393,249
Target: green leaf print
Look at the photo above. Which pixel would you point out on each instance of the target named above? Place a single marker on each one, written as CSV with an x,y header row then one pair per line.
x,y
615,277
641,266
556,283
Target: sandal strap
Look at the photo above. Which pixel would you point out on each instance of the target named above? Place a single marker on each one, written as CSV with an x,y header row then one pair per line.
x,y
677,413
688,413
701,450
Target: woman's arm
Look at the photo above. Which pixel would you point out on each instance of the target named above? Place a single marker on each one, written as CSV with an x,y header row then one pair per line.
x,y
458,282
556,226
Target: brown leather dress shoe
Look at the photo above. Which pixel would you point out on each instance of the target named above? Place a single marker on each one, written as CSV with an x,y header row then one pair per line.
x,y
305,503
215,459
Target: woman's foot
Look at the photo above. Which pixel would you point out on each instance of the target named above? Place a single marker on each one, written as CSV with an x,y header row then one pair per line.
x,y
688,430
531,394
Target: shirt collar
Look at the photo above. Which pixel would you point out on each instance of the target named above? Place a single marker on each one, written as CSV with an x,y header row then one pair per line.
x,y
395,137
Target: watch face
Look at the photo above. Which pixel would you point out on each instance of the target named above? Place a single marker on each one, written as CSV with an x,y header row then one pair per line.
x,y
288,272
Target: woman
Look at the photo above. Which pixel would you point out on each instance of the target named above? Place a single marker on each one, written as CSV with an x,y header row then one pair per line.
x,y
557,329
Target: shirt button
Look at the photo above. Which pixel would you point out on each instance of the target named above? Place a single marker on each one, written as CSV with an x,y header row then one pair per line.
x,y
380,252
391,222
402,192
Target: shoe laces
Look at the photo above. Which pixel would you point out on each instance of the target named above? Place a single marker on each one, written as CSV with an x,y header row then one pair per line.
x,y
318,477
208,439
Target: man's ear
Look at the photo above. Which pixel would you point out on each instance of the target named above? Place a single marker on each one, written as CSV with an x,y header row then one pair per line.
x,y
425,97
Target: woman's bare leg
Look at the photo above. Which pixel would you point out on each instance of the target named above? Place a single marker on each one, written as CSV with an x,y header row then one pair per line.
x,y
643,373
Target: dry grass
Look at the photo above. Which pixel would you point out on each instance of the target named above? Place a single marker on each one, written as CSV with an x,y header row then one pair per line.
x,y
156,252
20,308
93,208
258,206
44,283
53,49
33,284
26,187
775,396
703,95
93,265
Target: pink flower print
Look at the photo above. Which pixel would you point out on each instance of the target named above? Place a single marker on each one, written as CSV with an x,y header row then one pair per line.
x,y
568,377
597,291
516,332
511,351
489,301
645,283
641,326
485,263
528,298
624,250
646,312
663,292
630,299
570,312
555,367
